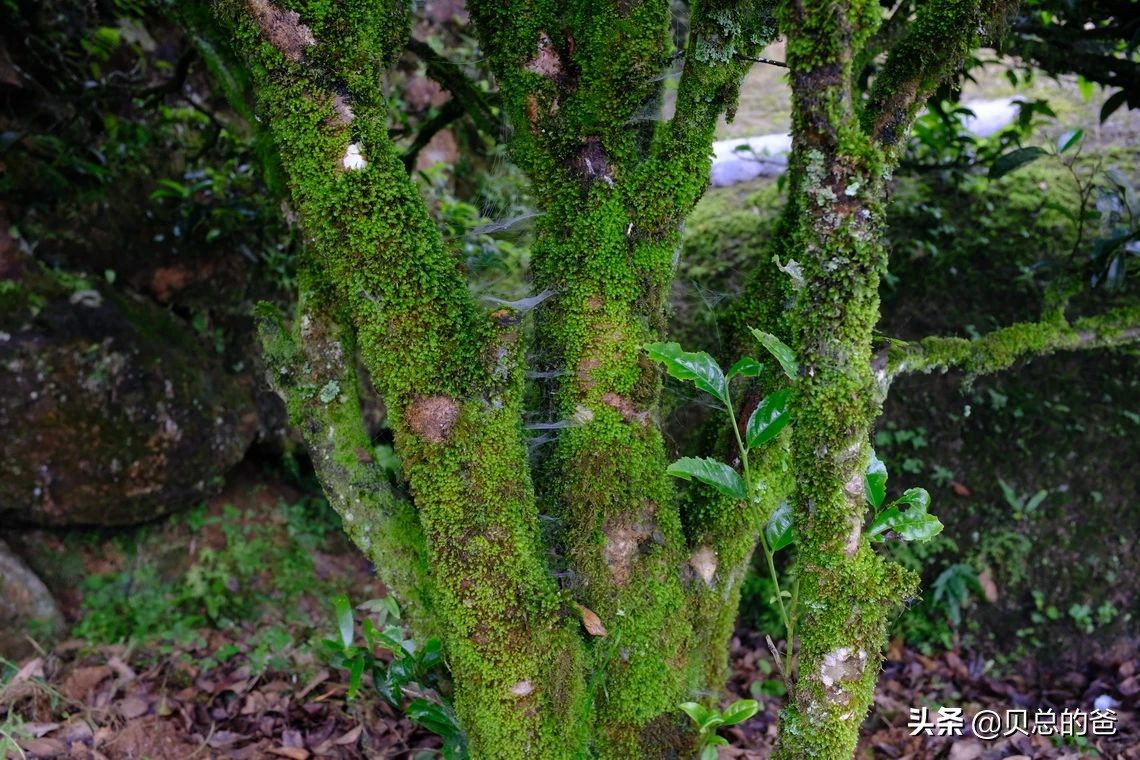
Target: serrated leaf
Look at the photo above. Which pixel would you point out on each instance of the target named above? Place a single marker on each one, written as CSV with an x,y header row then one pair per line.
x,y
1069,139
696,367
1015,159
371,633
768,419
344,623
780,529
716,474
908,517
740,711
914,498
784,355
433,717
918,527
875,481
745,367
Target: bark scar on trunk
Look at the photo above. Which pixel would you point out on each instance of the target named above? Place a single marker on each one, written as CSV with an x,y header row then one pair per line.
x,y
432,417
704,562
625,408
546,62
283,29
625,540
841,666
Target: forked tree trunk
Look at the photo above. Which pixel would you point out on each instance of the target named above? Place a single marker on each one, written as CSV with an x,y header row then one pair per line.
x,y
521,609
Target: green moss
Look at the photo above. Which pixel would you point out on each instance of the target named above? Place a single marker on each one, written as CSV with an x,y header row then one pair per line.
x,y
454,404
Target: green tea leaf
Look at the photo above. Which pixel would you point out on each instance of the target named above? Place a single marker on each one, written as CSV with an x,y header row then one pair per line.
x,y
780,350
1015,159
1085,88
740,711
1112,103
344,623
695,710
433,717
716,474
768,419
1069,139
908,517
712,722
355,673
780,530
875,481
745,367
696,367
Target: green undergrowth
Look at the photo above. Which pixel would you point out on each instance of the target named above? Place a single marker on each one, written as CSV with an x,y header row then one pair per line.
x,y
251,576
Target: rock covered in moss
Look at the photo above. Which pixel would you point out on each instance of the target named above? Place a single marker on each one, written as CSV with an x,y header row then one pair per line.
x,y
114,412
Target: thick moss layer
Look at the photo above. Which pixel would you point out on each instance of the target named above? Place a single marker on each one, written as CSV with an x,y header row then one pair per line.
x,y
450,379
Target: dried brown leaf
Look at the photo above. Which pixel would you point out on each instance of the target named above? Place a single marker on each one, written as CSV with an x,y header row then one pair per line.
x,y
350,736
591,622
133,707
295,753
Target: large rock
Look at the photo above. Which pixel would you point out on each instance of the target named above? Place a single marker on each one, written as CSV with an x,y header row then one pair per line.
x,y
113,411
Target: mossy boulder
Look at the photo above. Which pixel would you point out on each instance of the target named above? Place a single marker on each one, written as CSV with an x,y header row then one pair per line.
x,y
114,411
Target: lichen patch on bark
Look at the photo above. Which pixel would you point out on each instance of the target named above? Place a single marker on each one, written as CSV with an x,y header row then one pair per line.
x,y
343,109
840,666
353,159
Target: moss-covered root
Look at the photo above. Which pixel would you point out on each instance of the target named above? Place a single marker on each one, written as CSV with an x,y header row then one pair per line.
x,y
313,369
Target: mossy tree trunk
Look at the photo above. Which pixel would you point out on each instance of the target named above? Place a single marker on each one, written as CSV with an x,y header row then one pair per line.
x,y
614,180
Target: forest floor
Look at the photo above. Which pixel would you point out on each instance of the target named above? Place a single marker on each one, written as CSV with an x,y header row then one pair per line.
x,y
257,688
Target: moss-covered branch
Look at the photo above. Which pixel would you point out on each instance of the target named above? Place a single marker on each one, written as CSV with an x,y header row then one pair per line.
x,y
933,46
1003,347
724,39
312,366
846,590
472,101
